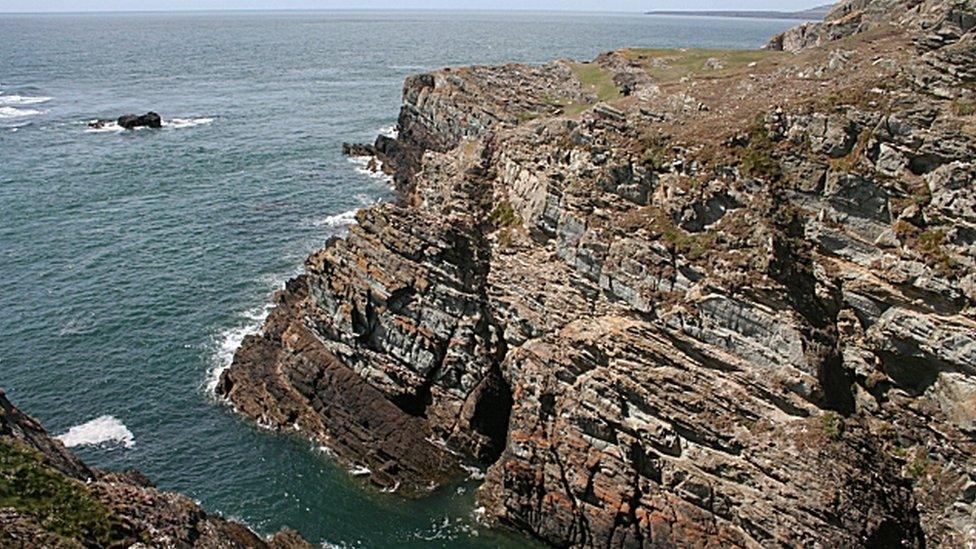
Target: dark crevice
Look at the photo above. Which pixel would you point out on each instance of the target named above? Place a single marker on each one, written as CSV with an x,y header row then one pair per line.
x,y
791,265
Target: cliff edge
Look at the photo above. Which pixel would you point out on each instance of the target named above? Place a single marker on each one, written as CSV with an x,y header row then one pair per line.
x,y
692,297
50,498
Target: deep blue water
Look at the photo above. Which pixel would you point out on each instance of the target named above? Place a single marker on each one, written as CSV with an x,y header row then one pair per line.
x,y
132,262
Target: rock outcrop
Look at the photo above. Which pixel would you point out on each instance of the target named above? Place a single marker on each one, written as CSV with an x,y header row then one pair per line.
x,y
130,121
667,298
50,498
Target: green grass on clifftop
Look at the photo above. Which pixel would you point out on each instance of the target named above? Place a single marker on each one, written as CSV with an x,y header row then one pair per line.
x,y
669,65
61,505
596,79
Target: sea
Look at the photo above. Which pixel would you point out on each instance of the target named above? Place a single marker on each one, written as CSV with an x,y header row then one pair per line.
x,y
132,263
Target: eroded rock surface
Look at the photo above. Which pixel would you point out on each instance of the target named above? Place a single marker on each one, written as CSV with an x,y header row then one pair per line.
x,y
52,499
668,298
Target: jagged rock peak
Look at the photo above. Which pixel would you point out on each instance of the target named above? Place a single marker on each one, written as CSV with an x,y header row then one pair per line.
x,y
851,17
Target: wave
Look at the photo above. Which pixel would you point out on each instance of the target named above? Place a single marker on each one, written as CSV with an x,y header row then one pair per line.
x,y
13,112
230,339
338,220
179,123
173,123
101,430
360,471
372,168
474,473
22,100
389,131
108,127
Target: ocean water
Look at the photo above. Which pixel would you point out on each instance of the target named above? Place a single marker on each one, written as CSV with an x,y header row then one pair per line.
x,y
132,263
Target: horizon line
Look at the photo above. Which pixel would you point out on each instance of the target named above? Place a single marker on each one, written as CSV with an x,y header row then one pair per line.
x,y
273,9
652,13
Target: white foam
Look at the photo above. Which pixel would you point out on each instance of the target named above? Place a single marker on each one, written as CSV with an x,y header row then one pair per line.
x,y
374,171
229,340
107,127
360,471
22,100
338,220
391,489
101,430
12,112
111,126
390,131
474,473
179,123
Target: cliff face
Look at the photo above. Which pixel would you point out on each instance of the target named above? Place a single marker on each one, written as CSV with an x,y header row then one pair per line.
x,y
692,298
50,498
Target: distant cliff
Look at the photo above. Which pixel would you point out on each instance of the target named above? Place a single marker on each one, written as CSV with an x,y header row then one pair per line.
x,y
50,498
693,298
812,14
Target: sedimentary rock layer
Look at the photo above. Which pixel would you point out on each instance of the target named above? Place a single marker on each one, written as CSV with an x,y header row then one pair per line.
x,y
668,297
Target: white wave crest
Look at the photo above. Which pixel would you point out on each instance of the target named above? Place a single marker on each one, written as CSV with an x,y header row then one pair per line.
x,y
474,473
12,112
111,126
338,220
371,167
101,430
229,340
389,131
22,100
107,127
179,123
360,471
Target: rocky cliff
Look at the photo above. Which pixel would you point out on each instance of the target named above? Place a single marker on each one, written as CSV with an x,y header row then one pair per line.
x,y
695,298
50,498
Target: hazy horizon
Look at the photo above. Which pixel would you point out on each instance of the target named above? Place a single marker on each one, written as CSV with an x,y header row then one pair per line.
x,y
621,6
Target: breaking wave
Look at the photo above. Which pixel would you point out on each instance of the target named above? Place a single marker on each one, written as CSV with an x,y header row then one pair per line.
x,y
101,430
13,112
173,123
227,342
22,100
338,220
179,123
372,168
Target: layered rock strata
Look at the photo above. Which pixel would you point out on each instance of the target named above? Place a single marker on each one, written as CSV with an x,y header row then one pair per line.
x,y
50,498
667,298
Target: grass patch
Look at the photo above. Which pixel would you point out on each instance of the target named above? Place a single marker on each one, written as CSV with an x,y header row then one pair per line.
x,y
930,244
693,246
670,65
61,505
504,216
833,425
595,79
757,159
962,107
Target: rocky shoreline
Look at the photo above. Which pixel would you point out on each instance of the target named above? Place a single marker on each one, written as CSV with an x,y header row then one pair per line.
x,y
666,298
50,498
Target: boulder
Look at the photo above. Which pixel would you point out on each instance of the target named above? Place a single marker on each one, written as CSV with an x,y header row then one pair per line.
x,y
149,120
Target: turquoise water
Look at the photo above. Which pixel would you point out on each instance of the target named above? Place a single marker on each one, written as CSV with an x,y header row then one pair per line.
x,y
131,263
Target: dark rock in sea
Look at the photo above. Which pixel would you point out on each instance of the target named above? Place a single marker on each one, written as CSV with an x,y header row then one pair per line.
x,y
357,149
52,499
149,120
683,306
